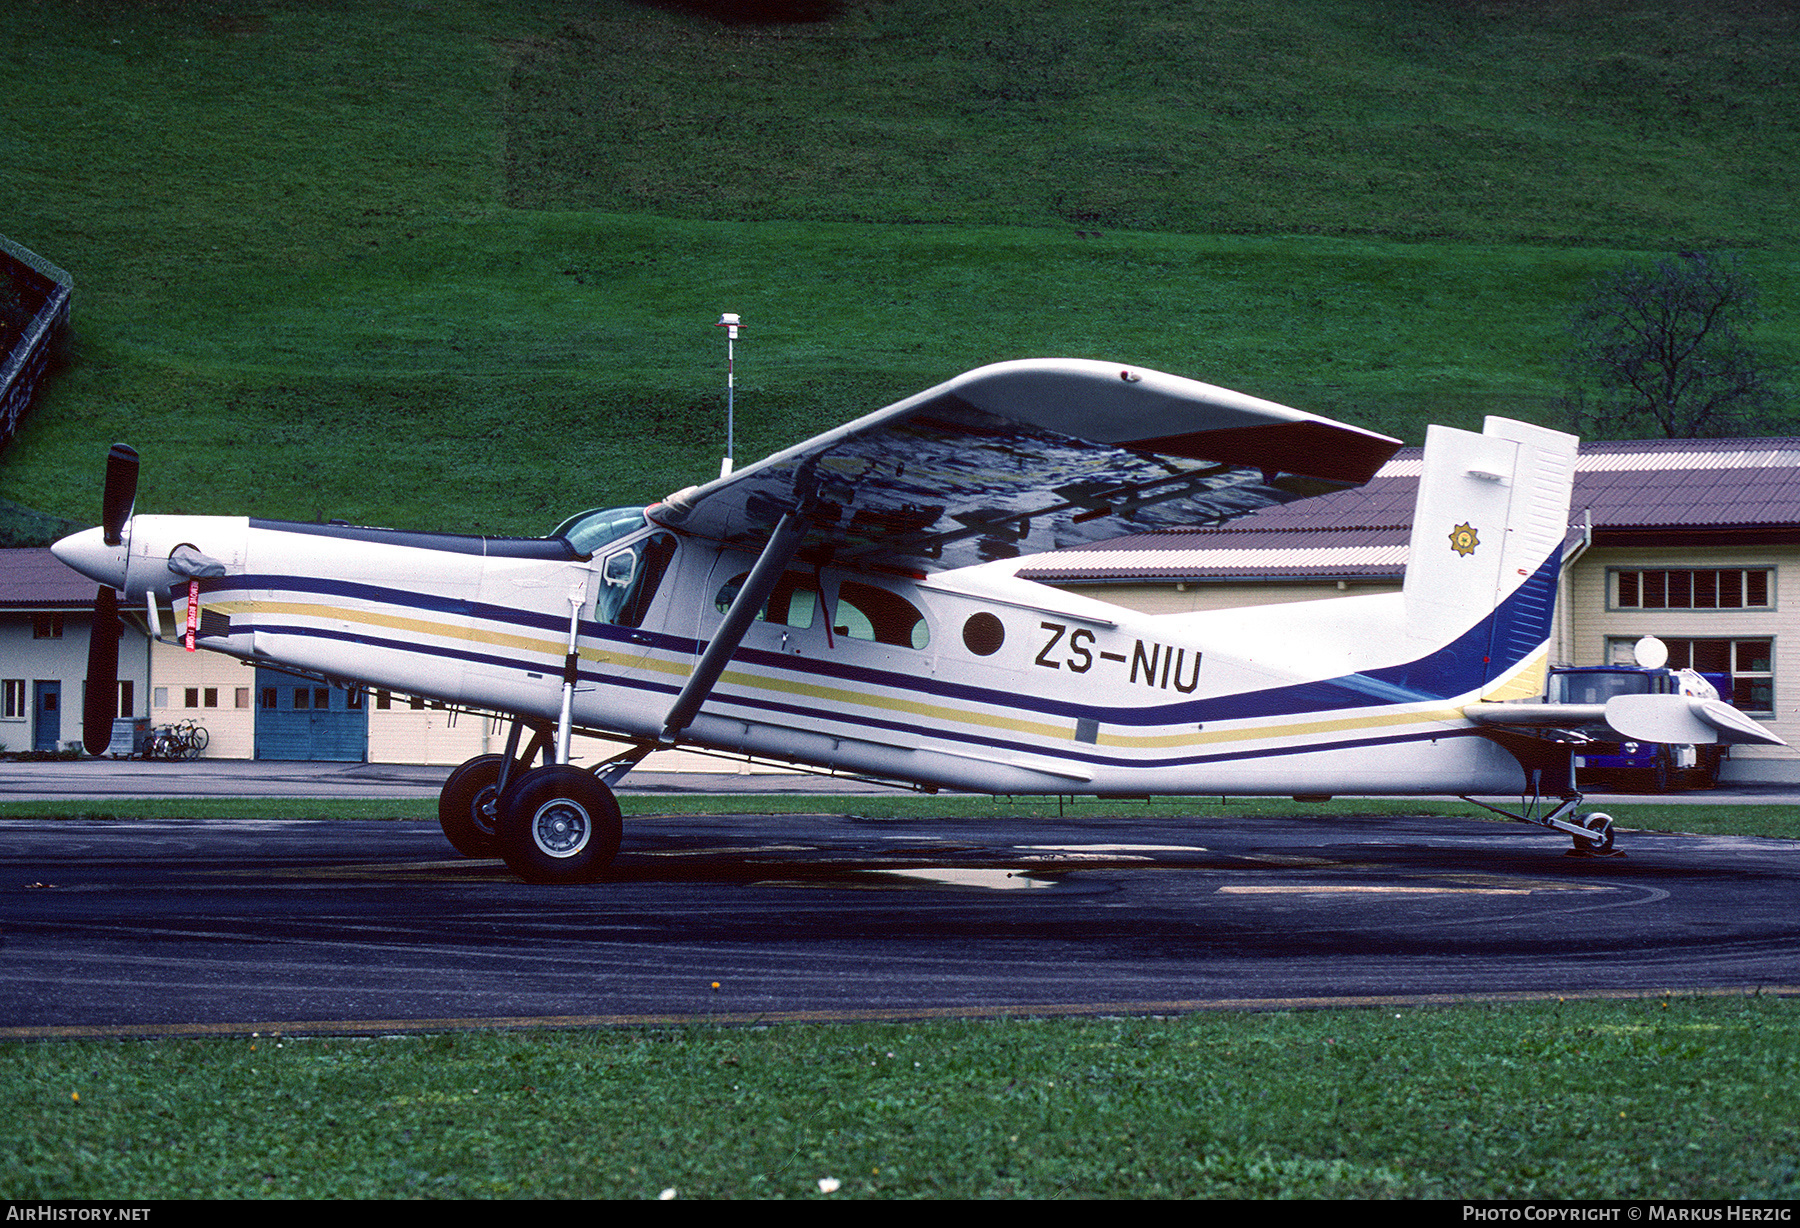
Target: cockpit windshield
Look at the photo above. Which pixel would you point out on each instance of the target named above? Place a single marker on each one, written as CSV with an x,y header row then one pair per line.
x,y
592,529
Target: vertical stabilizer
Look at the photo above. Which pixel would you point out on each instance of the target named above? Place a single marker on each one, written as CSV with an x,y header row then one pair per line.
x,y
1486,549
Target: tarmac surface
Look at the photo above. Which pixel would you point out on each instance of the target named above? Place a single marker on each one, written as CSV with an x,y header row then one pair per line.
x,y
198,927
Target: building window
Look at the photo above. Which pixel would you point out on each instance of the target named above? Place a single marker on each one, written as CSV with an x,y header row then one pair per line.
x,y
383,700
321,698
301,698
243,697
159,697
1747,664
127,697
210,698
46,626
15,697
353,699
1725,588
271,698
191,698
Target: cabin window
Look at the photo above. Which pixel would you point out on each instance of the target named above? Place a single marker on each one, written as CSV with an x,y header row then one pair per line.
x,y
793,603
865,612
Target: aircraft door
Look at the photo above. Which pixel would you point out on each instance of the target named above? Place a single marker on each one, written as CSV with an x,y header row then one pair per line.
x,y
789,621
623,584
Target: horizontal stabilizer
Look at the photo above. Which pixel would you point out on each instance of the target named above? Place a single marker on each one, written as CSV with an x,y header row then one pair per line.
x,y
1675,719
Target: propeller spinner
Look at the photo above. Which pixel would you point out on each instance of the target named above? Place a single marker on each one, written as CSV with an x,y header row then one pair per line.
x,y
117,501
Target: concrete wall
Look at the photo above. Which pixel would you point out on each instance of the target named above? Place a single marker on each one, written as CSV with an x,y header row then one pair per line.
x,y
26,658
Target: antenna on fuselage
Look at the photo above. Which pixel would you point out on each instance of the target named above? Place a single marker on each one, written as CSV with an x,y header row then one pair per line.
x,y
729,322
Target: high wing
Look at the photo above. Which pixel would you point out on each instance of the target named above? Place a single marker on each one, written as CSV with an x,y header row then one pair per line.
x,y
1023,457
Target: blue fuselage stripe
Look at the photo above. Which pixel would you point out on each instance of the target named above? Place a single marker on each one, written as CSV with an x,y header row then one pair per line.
x,y
1458,668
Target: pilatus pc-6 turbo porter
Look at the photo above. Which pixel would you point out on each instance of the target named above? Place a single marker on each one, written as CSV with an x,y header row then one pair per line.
x,y
850,604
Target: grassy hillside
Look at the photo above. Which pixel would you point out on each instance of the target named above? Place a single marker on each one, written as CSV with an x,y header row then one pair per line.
x,y
455,266
1626,124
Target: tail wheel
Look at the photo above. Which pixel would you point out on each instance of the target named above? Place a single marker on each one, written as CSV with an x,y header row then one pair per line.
x,y
1602,839
469,803
559,824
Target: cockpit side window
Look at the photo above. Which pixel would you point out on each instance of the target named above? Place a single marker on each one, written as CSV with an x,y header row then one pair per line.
x,y
629,578
791,604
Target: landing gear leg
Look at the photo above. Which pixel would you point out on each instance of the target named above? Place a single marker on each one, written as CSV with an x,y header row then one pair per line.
x,y
1592,833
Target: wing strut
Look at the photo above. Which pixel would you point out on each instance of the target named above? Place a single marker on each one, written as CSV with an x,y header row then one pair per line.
x,y
773,560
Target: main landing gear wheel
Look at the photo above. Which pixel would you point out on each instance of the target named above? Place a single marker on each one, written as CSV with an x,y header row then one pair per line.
x,y
558,824
468,804
1602,840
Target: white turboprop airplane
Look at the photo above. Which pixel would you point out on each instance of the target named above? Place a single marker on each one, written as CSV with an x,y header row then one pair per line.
x,y
850,604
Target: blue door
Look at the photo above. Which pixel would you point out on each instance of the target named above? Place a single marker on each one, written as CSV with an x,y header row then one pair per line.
x,y
47,704
303,719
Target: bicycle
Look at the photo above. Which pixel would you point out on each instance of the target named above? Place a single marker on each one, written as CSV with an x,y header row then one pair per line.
x,y
184,740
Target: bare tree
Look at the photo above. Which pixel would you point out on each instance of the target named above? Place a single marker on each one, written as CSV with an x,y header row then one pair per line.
x,y
1661,348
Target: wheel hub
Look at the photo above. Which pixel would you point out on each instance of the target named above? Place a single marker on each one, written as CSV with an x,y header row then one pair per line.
x,y
561,828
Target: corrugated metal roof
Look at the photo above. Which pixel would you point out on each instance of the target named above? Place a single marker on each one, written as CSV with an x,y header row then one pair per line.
x,y
1623,484
34,579
1305,561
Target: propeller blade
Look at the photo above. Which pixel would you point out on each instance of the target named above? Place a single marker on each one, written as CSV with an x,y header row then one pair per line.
x,y
102,673
121,491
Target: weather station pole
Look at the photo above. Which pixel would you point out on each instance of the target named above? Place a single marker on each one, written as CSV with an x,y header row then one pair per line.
x,y
729,322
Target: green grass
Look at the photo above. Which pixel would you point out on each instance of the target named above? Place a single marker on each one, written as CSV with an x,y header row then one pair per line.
x,y
1652,1099
389,262
1780,822
1620,124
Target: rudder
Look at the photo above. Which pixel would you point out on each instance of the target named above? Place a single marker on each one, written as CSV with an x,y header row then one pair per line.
x,y
1487,538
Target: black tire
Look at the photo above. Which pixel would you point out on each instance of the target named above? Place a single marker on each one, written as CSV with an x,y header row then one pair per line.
x,y
469,803
559,824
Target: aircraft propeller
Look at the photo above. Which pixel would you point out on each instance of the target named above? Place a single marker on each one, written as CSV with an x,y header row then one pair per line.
x,y
117,501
